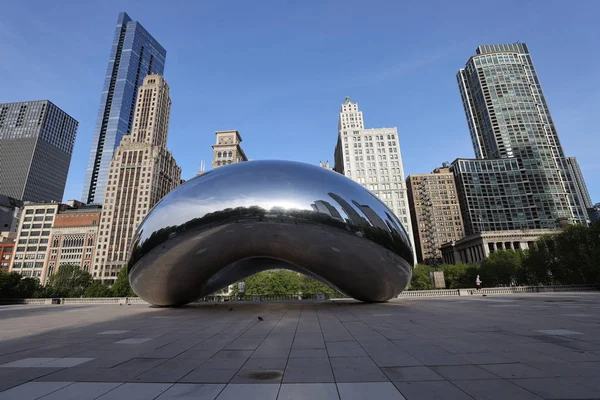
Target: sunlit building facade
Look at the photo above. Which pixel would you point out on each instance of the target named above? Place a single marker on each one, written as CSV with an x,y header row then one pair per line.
x,y
141,173
509,119
435,213
372,158
228,150
134,54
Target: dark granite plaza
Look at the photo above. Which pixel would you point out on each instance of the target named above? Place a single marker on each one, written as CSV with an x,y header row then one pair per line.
x,y
537,346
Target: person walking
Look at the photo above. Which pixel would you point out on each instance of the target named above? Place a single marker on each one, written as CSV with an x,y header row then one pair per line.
x,y
478,284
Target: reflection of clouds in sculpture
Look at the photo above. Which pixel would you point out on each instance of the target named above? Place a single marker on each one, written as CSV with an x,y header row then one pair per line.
x,y
234,221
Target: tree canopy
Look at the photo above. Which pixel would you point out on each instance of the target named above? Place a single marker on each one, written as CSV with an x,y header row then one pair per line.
x,y
69,281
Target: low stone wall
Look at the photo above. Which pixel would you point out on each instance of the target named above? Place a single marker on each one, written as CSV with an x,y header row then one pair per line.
x,y
295,297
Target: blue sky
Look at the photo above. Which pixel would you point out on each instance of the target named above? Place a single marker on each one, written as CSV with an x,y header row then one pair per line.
x,y
278,70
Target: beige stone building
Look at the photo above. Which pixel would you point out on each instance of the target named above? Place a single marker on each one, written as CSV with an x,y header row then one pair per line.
x,y
141,173
73,239
33,237
227,150
435,212
372,158
477,247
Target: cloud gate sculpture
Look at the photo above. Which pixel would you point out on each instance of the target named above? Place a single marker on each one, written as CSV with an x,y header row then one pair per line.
x,y
240,219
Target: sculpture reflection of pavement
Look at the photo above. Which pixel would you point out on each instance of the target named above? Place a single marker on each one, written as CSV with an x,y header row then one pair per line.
x,y
241,219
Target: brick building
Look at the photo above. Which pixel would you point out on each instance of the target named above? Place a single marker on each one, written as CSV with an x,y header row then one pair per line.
x,y
73,239
435,213
7,249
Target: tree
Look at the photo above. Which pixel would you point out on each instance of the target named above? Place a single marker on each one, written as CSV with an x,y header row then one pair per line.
x,y
502,268
283,281
121,287
14,286
421,279
311,286
69,281
98,289
459,275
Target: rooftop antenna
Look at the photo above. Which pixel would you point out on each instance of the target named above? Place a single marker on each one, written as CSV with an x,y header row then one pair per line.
x,y
202,168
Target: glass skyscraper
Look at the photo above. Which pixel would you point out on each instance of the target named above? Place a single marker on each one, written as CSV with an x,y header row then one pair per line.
x,y
134,54
508,118
36,143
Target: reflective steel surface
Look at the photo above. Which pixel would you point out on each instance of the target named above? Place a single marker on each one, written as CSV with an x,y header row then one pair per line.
x,y
243,218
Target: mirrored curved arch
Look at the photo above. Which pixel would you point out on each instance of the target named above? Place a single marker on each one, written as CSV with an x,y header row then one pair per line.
x,y
240,219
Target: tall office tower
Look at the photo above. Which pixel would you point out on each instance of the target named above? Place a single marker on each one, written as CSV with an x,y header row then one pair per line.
x,y
227,150
141,173
134,54
508,118
36,143
372,158
435,212
580,185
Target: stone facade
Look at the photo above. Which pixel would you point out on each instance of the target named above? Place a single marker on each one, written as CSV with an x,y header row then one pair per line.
x,y
227,149
142,172
73,240
33,237
372,158
476,248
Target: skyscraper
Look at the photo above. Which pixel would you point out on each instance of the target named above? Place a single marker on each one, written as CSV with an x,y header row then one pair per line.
x,y
228,149
134,54
435,212
372,158
508,118
36,143
141,173
580,185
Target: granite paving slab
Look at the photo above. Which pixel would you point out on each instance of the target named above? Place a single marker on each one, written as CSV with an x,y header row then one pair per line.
x,y
421,348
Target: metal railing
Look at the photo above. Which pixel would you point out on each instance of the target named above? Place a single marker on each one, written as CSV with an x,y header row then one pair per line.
x,y
311,296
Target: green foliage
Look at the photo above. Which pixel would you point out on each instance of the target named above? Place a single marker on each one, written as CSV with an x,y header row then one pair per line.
x,y
503,268
121,287
69,281
421,279
281,281
458,276
14,286
98,289
571,257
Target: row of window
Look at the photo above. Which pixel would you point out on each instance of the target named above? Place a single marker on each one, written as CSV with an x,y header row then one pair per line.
x,y
39,211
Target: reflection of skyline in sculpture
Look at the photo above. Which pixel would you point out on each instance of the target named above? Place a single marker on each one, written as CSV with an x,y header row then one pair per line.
x,y
351,213
244,218
371,215
325,207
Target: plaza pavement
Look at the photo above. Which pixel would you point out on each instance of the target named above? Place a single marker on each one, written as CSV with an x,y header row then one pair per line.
x,y
496,347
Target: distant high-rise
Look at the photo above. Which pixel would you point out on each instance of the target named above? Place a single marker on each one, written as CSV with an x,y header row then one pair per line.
x,y
372,158
508,118
134,54
36,143
580,185
435,212
228,149
141,173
